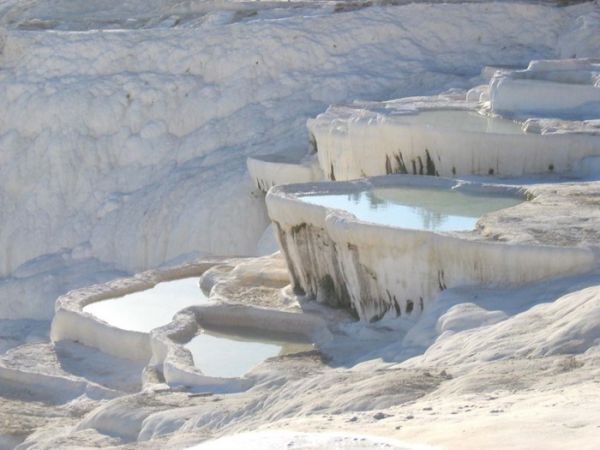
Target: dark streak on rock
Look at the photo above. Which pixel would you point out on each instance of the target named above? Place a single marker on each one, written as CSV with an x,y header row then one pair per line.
x,y
298,228
327,287
317,270
397,167
368,292
296,286
441,281
372,274
401,167
263,185
392,301
430,164
312,144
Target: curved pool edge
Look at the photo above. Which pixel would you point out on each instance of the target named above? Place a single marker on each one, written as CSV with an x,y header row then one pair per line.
x,y
267,171
72,323
178,368
376,270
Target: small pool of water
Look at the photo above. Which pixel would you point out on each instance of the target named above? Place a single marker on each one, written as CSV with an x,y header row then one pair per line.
x,y
145,310
231,353
416,208
462,121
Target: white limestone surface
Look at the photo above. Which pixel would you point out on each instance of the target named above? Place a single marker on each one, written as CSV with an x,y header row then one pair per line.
x,y
382,271
131,143
561,88
357,141
176,362
273,440
488,371
58,373
124,149
270,170
163,348
72,323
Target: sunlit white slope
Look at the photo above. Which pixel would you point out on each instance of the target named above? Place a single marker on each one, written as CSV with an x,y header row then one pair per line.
x,y
132,144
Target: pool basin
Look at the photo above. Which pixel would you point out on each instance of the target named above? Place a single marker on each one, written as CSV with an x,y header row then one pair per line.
x,y
151,308
344,259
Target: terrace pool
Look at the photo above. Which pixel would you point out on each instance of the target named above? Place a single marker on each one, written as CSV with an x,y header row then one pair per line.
x,y
418,208
152,308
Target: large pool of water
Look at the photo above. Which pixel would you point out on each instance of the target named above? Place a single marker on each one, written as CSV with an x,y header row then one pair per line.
x,y
145,310
462,121
232,353
416,208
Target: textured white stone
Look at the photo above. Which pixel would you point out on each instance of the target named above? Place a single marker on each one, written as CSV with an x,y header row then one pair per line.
x,y
561,88
378,270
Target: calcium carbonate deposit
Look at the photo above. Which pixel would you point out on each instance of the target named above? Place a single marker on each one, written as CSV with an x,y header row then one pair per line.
x,y
312,224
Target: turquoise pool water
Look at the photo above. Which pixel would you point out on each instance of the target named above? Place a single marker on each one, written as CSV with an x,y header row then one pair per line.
x,y
418,208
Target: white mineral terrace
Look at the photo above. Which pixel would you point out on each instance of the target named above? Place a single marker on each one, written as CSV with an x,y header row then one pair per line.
x,y
166,322
117,317
381,271
567,89
354,142
151,308
360,303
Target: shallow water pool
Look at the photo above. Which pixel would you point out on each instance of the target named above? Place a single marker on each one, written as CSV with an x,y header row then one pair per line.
x,y
417,208
145,310
231,353
462,121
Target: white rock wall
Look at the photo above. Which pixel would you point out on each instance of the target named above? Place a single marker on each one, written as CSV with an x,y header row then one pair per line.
x,y
354,142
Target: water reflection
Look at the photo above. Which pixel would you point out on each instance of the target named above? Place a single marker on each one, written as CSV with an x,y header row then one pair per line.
x,y
233,352
433,209
145,310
